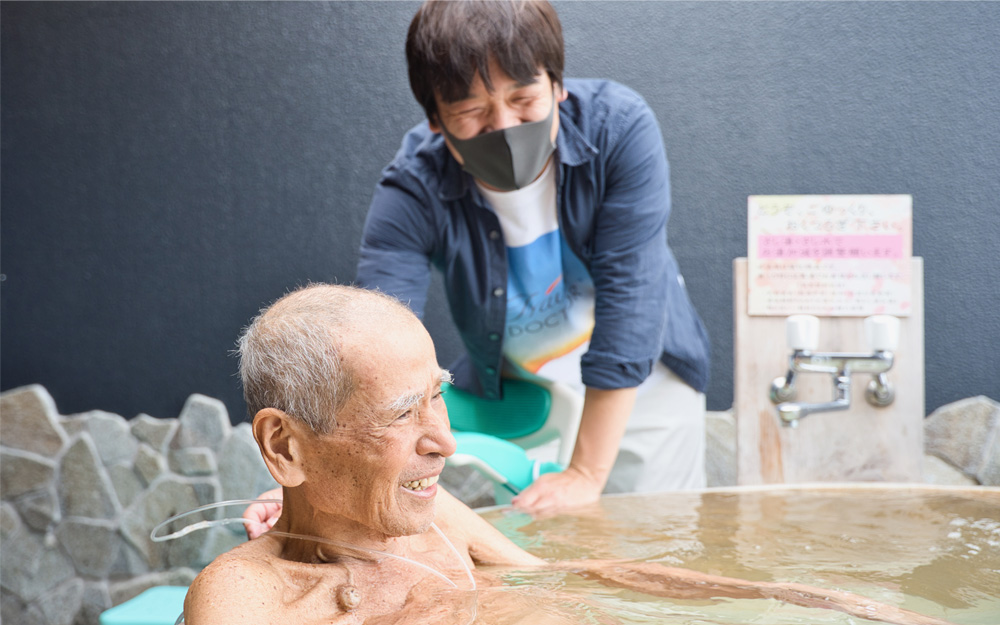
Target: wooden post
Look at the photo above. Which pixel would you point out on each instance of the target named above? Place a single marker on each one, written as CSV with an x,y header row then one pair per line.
x,y
863,443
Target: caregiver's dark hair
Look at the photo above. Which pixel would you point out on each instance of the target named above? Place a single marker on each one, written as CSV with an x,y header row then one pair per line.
x,y
450,41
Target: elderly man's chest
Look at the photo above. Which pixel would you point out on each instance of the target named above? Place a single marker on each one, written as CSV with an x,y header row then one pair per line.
x,y
352,591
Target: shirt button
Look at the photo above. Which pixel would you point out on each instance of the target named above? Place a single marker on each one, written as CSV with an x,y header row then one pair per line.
x,y
494,235
498,292
493,336
490,371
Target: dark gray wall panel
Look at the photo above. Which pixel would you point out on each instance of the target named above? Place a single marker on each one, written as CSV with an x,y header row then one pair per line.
x,y
168,168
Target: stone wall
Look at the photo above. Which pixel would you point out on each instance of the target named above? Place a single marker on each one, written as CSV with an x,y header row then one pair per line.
x,y
81,493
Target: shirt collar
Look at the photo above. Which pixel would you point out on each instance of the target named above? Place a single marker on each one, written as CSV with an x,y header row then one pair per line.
x,y
572,149
571,145
455,183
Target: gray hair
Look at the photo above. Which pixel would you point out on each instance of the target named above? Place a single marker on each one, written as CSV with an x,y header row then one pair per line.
x,y
290,354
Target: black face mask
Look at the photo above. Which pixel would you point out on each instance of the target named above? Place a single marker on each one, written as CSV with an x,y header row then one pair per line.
x,y
509,158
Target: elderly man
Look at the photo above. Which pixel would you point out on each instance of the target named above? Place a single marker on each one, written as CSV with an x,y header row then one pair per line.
x,y
346,392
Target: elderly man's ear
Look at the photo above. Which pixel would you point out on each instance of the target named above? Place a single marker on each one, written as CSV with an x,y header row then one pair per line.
x,y
278,436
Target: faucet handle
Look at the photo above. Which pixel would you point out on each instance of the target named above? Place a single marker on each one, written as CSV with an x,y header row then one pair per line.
x,y
882,333
802,332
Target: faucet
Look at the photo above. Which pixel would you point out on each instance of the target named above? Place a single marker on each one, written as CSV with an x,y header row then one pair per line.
x,y
802,335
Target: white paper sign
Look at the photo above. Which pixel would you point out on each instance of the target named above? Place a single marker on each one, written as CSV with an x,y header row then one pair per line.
x,y
829,255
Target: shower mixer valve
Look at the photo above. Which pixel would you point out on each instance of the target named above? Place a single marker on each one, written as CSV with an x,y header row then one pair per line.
x,y
802,334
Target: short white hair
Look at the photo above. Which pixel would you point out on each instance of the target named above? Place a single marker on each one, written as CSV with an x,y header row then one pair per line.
x,y
290,354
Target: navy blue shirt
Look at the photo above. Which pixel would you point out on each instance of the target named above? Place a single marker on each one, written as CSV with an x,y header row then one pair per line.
x,y
613,201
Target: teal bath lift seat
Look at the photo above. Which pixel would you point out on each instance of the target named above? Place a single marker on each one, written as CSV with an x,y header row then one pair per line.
x,y
494,436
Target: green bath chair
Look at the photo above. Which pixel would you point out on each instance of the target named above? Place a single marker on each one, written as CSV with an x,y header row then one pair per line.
x,y
493,435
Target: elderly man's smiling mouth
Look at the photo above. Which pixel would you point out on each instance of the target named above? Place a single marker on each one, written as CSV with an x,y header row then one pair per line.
x,y
422,484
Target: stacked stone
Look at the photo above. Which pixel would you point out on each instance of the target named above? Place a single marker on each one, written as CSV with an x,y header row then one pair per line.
x,y
81,494
964,438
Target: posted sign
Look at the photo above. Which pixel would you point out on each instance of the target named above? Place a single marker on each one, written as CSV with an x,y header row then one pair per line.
x,y
829,255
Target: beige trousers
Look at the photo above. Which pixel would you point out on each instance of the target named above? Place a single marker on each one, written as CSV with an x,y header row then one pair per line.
x,y
664,444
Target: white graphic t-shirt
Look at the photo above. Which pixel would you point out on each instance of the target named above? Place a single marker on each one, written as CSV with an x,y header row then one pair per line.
x,y
550,296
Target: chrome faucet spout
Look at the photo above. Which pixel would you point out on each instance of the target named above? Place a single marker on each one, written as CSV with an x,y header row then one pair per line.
x,y
792,412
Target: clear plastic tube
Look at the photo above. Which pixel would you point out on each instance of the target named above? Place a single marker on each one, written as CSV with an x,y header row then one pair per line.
x,y
468,571
200,525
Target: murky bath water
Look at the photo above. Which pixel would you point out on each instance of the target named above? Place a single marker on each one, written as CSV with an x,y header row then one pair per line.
x,y
935,551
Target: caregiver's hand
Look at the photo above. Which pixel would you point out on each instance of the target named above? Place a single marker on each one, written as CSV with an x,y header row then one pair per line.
x,y
602,424
262,516
552,492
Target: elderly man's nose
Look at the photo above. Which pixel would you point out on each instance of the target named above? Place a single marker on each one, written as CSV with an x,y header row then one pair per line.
x,y
448,443
437,438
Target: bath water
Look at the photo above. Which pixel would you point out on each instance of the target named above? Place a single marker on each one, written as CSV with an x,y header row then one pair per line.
x,y
935,551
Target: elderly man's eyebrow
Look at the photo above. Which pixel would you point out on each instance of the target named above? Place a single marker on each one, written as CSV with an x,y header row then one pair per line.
x,y
406,401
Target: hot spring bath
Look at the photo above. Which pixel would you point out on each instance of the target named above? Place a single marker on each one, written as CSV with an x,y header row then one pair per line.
x,y
931,550
935,551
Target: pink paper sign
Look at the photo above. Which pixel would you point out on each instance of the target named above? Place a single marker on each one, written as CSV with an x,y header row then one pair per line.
x,y
829,255
829,246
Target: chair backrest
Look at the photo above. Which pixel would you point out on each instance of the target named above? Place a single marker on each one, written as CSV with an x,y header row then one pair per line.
x,y
522,411
529,415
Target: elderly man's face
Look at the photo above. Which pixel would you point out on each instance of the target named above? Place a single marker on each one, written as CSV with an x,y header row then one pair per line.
x,y
379,467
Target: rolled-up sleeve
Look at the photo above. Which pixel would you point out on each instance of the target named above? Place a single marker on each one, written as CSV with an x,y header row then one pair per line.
x,y
630,260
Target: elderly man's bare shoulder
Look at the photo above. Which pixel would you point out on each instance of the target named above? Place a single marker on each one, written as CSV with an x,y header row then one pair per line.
x,y
240,586
253,584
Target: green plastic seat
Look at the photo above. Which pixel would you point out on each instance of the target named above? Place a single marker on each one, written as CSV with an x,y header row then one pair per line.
x,y
522,411
492,435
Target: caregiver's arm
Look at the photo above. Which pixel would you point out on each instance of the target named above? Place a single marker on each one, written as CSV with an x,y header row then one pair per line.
x,y
605,415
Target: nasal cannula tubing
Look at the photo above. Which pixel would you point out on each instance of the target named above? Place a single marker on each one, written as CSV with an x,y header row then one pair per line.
x,y
200,525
